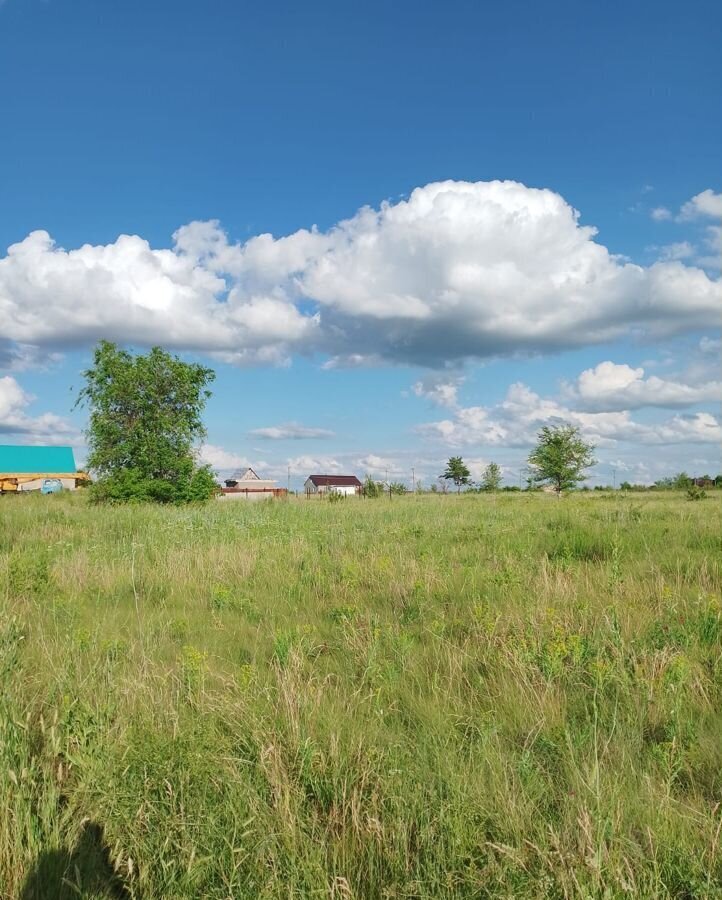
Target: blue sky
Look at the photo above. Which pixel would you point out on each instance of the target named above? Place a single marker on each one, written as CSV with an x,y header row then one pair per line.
x,y
456,314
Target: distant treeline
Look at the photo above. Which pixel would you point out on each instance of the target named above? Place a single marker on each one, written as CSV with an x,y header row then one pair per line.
x,y
680,482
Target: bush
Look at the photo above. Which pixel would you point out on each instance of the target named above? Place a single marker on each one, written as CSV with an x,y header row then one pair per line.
x,y
130,485
696,493
372,488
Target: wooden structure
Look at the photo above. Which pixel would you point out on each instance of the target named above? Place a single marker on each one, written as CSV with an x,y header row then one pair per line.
x,y
249,486
25,467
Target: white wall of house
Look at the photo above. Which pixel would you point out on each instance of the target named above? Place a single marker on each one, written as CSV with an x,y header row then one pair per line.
x,y
249,496
256,484
348,490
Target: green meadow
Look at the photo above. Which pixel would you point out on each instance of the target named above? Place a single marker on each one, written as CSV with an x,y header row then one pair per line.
x,y
499,695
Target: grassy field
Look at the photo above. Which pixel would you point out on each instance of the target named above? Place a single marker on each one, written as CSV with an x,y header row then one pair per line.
x,y
474,696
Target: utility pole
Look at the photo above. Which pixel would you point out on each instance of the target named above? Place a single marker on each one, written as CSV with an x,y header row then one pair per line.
x,y
413,479
614,476
288,485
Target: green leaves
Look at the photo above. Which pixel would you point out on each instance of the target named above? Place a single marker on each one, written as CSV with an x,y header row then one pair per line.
x,y
145,419
491,477
560,457
457,471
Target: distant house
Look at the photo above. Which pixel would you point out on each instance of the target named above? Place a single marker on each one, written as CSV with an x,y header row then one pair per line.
x,y
24,468
704,482
249,486
332,484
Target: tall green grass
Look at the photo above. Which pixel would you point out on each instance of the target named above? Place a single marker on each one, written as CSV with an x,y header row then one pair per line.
x,y
473,696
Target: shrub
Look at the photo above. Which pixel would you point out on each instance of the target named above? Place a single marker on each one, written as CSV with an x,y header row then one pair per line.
x,y
372,488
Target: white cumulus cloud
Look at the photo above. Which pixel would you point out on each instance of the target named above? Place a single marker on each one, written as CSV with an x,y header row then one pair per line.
x,y
708,204
441,390
661,214
610,386
14,419
516,421
220,459
457,271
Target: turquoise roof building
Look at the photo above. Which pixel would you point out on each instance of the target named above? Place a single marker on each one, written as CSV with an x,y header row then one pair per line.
x,y
20,459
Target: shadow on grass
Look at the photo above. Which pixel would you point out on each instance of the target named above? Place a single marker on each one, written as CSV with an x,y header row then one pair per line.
x,y
83,872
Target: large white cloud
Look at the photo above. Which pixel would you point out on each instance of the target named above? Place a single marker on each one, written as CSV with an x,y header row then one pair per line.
x,y
516,421
128,292
457,271
610,386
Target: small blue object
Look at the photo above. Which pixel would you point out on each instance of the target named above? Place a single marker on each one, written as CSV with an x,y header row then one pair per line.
x,y
51,486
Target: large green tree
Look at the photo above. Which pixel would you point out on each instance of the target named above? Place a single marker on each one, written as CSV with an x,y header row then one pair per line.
x,y
560,457
457,471
145,425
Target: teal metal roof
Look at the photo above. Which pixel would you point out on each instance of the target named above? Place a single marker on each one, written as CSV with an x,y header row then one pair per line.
x,y
17,459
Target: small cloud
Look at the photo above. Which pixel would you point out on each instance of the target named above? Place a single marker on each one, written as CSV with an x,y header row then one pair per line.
x,y
440,389
704,205
218,458
291,431
47,428
710,345
679,250
661,214
352,361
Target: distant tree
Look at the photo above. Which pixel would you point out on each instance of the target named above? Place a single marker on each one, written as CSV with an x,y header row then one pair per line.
x,y
372,488
458,472
145,424
491,477
560,457
664,483
625,486
434,488
681,481
397,487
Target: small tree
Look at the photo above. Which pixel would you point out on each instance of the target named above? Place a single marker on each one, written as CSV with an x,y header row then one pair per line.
x,y
458,472
560,457
145,423
491,477
372,488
